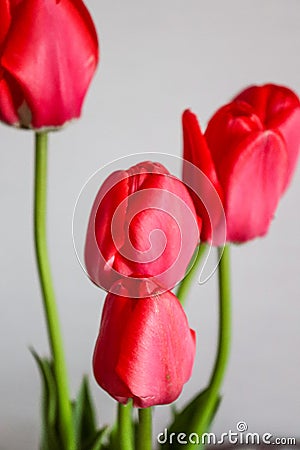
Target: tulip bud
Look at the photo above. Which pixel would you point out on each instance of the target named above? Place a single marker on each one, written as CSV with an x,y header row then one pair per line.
x,y
249,151
48,55
145,349
142,224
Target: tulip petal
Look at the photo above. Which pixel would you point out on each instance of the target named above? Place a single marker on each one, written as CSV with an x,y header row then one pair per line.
x,y
101,244
279,109
195,147
162,231
289,130
5,19
154,362
205,191
10,100
228,127
251,164
51,50
116,310
253,176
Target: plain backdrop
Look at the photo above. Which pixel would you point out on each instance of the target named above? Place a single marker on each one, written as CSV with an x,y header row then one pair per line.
x,y
157,58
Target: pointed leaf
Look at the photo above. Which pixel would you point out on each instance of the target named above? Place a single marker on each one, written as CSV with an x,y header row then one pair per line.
x,y
84,415
98,439
112,439
50,439
190,418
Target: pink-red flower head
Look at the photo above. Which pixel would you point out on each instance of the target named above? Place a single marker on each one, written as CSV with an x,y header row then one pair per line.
x,y
48,55
249,152
142,224
145,349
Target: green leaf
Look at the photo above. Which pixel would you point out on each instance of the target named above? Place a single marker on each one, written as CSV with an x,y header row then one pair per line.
x,y
111,439
84,416
97,441
190,418
50,437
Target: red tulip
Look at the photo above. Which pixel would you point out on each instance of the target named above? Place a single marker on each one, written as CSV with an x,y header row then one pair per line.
x,y
48,55
145,349
249,152
143,224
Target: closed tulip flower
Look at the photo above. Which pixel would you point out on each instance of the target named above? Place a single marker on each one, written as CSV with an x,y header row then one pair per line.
x,y
249,152
48,55
142,224
145,349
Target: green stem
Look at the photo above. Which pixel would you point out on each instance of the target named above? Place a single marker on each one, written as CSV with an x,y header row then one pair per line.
x,y
125,429
185,285
144,432
50,308
224,320
203,420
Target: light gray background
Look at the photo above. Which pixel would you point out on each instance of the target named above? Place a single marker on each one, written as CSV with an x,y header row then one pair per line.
x,y
157,58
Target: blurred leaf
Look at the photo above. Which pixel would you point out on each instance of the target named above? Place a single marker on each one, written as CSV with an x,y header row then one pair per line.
x,y
84,416
87,435
97,441
190,418
111,439
50,437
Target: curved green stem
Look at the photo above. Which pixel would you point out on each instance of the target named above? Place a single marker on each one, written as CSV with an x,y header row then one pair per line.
x,y
125,428
224,320
185,285
213,390
144,432
50,308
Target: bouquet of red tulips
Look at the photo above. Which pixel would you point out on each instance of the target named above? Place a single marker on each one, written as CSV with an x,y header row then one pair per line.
x,y
147,232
